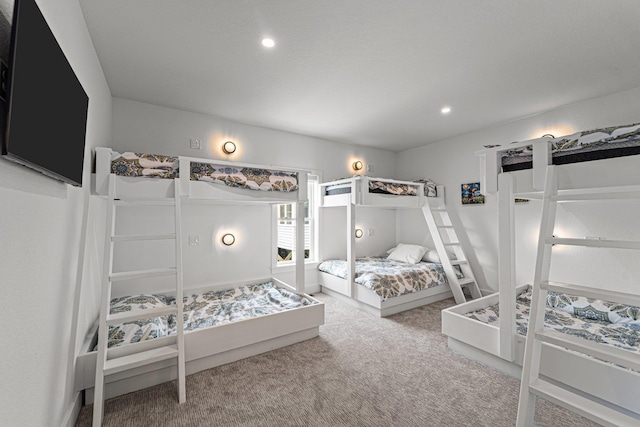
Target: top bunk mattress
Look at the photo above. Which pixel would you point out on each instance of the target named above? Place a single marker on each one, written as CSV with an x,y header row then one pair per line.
x,y
167,167
201,310
380,186
584,146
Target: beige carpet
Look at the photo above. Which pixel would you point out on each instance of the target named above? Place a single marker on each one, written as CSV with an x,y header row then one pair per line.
x,y
360,371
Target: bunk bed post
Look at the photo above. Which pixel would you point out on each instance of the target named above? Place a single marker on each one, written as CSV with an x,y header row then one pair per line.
x,y
351,248
506,266
184,164
302,199
541,159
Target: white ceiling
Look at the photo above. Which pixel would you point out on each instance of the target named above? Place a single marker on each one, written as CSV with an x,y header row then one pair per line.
x,y
368,72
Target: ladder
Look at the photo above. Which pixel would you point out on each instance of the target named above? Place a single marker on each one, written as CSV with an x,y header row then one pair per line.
x,y
532,385
447,243
106,365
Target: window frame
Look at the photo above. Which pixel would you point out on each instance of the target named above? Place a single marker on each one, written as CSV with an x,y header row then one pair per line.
x,y
313,191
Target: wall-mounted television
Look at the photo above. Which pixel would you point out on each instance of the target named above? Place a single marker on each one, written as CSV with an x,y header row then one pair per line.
x,y
44,104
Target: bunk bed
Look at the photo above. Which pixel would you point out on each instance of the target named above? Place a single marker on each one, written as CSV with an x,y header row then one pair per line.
x,y
492,329
380,286
223,322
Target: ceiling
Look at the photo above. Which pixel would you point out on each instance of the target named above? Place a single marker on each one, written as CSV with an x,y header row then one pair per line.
x,y
367,72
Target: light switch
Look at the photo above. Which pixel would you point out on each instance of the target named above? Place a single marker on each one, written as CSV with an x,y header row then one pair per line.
x,y
194,240
196,143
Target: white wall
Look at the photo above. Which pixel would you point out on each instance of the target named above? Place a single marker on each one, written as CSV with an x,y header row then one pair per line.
x,y
42,247
452,162
153,129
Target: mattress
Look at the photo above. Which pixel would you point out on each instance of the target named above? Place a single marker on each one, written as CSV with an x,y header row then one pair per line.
x,y
167,167
596,144
594,320
344,188
389,278
382,187
201,310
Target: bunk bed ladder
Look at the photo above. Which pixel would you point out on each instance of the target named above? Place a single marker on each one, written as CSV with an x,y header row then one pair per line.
x,y
446,241
106,365
532,385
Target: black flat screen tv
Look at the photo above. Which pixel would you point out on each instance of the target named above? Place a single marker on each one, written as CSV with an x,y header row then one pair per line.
x,y
45,106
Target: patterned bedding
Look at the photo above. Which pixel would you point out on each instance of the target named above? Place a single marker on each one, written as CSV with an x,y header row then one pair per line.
x,y
595,320
158,166
250,178
382,187
580,147
396,189
389,278
147,165
201,310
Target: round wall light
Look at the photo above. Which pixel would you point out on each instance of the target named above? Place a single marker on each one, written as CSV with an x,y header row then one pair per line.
x,y
357,165
229,147
228,239
359,233
547,135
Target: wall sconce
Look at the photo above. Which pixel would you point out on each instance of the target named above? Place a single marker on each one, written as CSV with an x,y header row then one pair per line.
x,y
359,233
229,147
357,165
228,239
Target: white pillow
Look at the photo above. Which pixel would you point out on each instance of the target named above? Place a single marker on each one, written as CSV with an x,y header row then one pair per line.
x,y
391,250
407,253
432,256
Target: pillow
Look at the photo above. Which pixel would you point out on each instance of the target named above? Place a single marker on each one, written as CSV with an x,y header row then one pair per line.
x,y
407,253
391,250
432,256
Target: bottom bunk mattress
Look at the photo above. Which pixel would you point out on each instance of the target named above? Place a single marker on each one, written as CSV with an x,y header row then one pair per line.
x,y
595,320
389,278
201,310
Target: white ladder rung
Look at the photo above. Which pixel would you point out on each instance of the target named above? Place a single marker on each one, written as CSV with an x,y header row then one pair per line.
x,y
595,243
145,202
459,261
577,290
147,313
465,281
139,274
439,209
132,237
142,358
588,408
452,244
445,226
603,352
602,193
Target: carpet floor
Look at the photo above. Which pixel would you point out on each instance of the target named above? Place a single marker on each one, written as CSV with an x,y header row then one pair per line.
x,y
360,371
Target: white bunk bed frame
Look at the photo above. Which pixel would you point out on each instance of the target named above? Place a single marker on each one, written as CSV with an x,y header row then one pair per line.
x,y
217,345
348,290
501,347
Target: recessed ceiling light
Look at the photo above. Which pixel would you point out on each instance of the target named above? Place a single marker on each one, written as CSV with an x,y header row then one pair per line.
x,y
445,110
267,42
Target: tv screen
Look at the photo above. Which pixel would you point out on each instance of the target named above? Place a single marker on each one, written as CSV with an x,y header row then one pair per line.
x,y
46,106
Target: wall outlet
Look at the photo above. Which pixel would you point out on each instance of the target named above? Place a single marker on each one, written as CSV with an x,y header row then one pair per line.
x,y
371,232
194,240
195,143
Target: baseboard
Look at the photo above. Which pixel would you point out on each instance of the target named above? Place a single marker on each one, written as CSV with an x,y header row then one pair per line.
x,y
73,412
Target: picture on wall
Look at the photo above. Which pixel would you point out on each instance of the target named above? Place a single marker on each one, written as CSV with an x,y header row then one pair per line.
x,y
471,194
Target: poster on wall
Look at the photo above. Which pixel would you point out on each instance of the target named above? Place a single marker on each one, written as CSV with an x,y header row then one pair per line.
x,y
471,194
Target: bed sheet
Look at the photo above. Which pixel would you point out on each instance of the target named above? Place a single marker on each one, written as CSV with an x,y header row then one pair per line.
x,y
584,146
201,310
389,278
599,321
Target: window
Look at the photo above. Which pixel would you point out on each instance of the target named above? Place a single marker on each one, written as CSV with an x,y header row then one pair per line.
x,y
286,228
